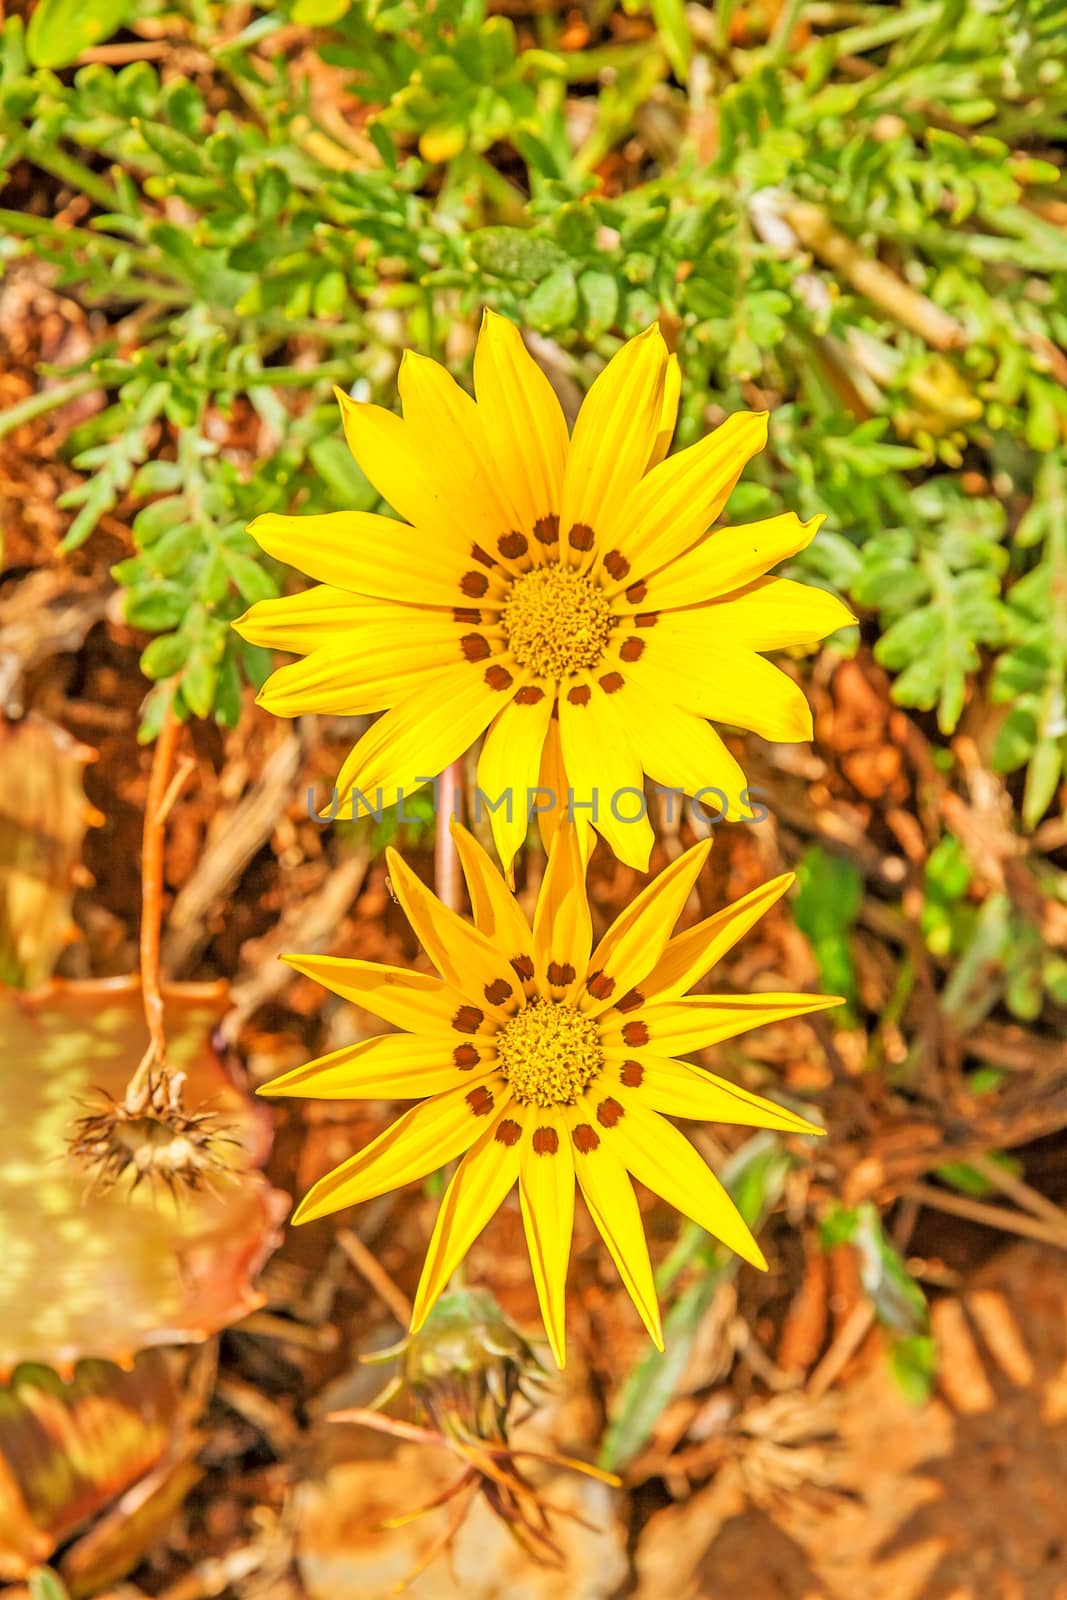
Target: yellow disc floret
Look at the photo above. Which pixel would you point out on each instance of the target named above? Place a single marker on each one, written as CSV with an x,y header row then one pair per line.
x,y
556,621
548,1053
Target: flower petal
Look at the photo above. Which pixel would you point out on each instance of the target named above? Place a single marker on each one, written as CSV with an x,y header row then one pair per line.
x,y
614,437
375,667
604,776
478,1189
681,1090
681,751
469,963
496,911
525,429
727,559
633,944
375,556
672,394
509,768
407,999
728,685
664,1161
767,614
393,1066
613,1207
674,1027
317,617
546,1196
678,500
427,1137
694,952
416,740
562,925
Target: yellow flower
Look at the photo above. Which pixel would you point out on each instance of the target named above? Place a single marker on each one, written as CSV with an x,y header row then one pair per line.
x,y
540,1060
560,594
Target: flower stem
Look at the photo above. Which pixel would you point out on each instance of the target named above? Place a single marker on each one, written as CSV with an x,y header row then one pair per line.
x,y
445,859
152,888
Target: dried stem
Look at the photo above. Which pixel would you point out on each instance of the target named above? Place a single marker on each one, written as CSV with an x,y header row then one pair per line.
x,y
157,804
445,859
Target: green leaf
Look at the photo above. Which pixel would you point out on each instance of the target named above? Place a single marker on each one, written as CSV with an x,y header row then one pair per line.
x,y
60,30
45,1585
515,253
554,303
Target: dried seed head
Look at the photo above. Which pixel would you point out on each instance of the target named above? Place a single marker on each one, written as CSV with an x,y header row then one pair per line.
x,y
150,1135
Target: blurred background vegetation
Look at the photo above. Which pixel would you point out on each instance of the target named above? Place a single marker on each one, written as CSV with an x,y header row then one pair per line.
x,y
850,213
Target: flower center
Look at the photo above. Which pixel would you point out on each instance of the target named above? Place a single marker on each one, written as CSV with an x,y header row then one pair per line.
x,y
556,621
548,1053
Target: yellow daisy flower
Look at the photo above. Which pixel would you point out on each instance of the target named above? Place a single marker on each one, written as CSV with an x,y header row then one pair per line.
x,y
540,1058
559,593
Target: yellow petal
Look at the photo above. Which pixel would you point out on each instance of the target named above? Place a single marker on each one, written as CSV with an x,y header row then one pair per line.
x,y
614,437
393,1066
727,559
768,614
411,1000
672,393
423,1139
319,616
468,962
677,1026
525,430
374,556
427,464
613,1207
727,685
633,944
664,1161
694,952
679,500
546,1195
509,768
478,1189
604,776
417,739
680,751
496,911
563,926
375,667
680,1090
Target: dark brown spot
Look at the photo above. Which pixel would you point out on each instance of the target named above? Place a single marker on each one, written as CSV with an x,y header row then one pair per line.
x,y
608,1112
601,985
465,1056
524,967
636,592
632,649
617,564
513,545
630,1000
482,556
466,614
545,1141
586,1138
475,647
498,677
635,1033
580,695
468,1019
498,991
581,536
509,1132
529,695
632,1074
546,529
474,583
480,1100
611,682
646,619
560,973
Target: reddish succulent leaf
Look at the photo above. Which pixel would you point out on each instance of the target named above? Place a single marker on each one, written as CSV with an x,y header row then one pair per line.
x,y
108,1274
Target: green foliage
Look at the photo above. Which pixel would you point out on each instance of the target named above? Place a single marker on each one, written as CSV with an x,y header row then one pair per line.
x,y
898,1302
828,899
266,248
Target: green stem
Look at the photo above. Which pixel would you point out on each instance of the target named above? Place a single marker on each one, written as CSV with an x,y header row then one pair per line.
x,y
36,405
